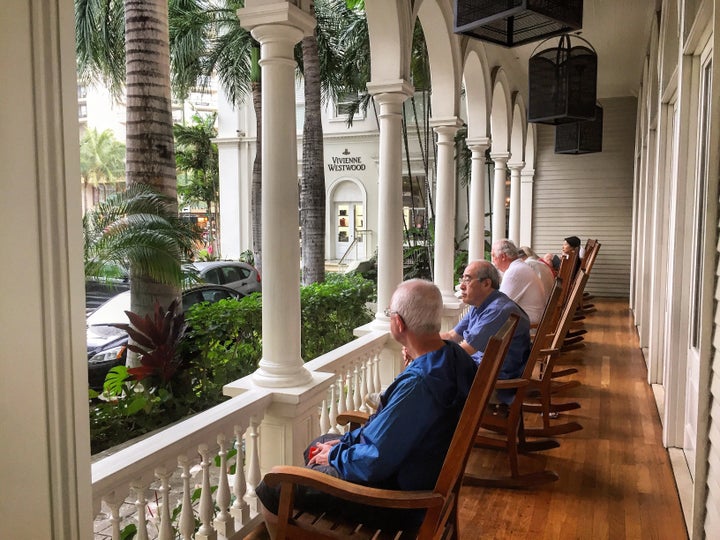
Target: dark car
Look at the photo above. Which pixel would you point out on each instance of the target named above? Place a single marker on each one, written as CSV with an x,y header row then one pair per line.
x,y
107,345
242,277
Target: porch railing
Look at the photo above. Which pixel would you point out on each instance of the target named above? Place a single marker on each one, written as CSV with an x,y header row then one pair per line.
x,y
205,469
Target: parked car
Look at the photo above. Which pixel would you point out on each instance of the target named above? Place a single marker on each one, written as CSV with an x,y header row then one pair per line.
x,y
240,276
99,291
107,345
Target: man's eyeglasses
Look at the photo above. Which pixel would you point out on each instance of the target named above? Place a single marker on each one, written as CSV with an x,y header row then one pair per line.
x,y
390,312
467,279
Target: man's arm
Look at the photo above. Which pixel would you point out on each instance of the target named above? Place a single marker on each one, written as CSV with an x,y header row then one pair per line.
x,y
452,335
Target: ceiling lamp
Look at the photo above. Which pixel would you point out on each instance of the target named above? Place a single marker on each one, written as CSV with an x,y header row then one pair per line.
x,y
580,137
515,22
562,83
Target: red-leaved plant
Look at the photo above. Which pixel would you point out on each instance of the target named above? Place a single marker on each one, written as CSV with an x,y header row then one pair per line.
x,y
156,341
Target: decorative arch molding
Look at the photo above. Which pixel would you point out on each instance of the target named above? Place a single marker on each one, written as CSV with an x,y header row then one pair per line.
x,y
478,91
390,29
500,113
442,45
518,133
342,190
530,147
337,186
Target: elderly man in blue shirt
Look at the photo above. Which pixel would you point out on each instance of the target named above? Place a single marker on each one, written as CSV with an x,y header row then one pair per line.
x,y
403,445
489,309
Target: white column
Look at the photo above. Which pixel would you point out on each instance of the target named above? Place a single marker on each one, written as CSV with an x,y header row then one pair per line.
x,y
44,424
515,208
527,179
389,98
478,179
498,203
278,30
445,207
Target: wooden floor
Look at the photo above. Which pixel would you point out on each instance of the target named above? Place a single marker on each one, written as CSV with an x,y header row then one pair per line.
x,y
615,476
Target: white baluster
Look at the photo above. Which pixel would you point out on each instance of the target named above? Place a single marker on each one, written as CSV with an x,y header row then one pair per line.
x,y
377,385
140,503
333,409
165,530
363,386
240,509
224,522
205,532
114,501
324,417
253,472
341,400
187,519
349,405
357,398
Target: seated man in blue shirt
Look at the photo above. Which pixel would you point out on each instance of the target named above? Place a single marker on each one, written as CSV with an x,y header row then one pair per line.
x,y
488,312
403,445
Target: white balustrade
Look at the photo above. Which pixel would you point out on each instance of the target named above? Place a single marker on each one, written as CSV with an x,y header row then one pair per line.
x,y
165,464
197,454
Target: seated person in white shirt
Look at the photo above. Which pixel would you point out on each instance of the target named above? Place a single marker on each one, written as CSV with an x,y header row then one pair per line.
x,y
541,268
519,281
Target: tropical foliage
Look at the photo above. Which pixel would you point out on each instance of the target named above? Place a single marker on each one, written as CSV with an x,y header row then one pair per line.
x,y
196,156
138,227
222,342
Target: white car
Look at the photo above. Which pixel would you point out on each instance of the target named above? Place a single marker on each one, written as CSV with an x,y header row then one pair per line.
x,y
240,276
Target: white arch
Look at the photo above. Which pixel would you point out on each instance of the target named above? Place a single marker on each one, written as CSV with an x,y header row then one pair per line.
x,y
519,124
443,48
390,29
500,113
478,91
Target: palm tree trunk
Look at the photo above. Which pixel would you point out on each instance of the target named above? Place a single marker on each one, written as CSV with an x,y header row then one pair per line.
x,y
150,151
312,183
256,186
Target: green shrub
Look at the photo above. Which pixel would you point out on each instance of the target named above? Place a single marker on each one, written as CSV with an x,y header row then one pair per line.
x,y
222,343
331,310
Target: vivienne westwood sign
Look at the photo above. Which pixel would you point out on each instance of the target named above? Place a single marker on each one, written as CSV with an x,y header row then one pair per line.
x,y
346,163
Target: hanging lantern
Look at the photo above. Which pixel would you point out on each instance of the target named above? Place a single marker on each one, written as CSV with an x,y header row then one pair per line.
x,y
562,83
515,22
580,137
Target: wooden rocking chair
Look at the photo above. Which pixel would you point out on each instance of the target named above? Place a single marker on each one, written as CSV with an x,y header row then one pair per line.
x,y
505,430
440,520
542,388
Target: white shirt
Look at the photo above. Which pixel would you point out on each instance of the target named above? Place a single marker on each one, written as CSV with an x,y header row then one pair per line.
x,y
544,273
523,286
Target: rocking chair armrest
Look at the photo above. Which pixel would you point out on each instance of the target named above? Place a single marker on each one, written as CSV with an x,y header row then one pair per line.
x,y
387,498
352,417
508,384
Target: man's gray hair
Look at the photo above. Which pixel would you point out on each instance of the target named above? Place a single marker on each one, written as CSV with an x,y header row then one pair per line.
x,y
507,248
488,271
420,304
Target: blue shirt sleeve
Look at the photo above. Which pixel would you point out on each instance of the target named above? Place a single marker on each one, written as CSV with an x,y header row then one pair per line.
x,y
374,452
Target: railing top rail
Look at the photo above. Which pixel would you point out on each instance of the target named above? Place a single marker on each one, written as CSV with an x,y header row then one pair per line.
x,y
367,344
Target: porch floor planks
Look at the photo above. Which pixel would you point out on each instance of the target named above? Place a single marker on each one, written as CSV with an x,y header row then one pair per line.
x,y
615,474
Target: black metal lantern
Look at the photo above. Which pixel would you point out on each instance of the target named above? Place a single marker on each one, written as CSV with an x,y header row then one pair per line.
x,y
515,22
562,83
580,137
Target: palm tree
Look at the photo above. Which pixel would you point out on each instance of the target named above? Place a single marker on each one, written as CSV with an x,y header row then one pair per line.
x,y
139,227
206,40
102,162
197,158
142,29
